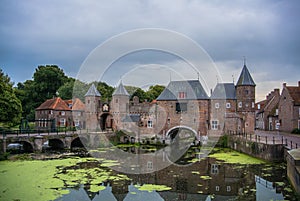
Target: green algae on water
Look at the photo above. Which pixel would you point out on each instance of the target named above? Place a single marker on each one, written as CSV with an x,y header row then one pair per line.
x,y
31,180
152,187
234,157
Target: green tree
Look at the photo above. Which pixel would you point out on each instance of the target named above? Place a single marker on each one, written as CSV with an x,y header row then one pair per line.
x,y
141,94
10,105
66,90
105,90
154,92
46,81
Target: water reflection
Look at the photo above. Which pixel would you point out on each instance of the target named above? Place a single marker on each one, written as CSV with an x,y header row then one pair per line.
x,y
207,179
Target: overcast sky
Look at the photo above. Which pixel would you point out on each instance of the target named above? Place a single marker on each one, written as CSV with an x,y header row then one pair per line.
x,y
65,32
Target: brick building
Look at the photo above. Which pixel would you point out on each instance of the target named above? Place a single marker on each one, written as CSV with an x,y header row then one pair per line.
x,y
267,111
182,105
289,108
56,112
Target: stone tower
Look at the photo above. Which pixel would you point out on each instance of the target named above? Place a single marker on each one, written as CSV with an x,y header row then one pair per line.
x,y
119,105
245,95
92,108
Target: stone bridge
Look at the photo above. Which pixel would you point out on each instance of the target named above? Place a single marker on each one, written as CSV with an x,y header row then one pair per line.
x,y
65,140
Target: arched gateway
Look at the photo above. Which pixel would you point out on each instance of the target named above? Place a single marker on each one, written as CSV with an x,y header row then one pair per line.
x,y
183,131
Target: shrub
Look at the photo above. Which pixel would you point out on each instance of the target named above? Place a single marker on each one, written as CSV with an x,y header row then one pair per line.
x,y
296,131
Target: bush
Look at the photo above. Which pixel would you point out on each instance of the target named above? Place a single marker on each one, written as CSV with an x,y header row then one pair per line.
x,y
4,156
296,131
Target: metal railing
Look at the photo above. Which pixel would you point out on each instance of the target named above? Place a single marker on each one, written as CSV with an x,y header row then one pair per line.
x,y
264,139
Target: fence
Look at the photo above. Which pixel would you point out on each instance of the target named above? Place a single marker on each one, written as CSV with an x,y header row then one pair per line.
x,y
265,139
32,132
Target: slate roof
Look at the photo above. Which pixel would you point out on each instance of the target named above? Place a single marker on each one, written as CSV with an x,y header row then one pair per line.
x,y
131,118
245,78
192,88
295,94
120,90
224,91
54,104
93,91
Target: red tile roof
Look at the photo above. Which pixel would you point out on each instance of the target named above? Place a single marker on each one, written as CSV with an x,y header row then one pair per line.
x,y
295,94
54,104
77,104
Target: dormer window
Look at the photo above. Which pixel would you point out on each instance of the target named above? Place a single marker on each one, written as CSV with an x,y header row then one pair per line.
x,y
182,95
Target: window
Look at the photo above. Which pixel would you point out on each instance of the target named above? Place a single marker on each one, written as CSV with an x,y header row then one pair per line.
x,y
181,95
149,165
217,105
63,113
228,105
253,105
258,106
150,124
181,107
228,188
240,104
246,92
277,112
77,122
62,122
217,188
214,169
214,124
117,100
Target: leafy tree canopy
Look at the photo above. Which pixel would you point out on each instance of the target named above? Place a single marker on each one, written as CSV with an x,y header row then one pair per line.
x,y
10,105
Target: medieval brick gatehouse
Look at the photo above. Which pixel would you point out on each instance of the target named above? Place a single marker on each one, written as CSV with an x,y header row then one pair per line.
x,y
182,104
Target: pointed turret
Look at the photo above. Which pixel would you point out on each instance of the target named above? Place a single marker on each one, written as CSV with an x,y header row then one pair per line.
x,y
92,108
93,91
120,90
245,78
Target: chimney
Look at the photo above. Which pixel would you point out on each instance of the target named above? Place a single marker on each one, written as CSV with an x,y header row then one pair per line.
x,y
284,85
298,83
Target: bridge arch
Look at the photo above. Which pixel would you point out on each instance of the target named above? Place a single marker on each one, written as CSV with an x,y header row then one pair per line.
x,y
56,143
78,143
27,146
172,132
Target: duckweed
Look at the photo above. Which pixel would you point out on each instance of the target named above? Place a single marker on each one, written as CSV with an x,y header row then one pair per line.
x,y
234,157
152,187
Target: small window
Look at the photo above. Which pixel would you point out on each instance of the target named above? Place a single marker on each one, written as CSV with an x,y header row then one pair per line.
x,y
246,92
150,124
214,169
62,122
63,113
217,105
214,124
217,188
258,106
182,95
228,105
181,107
277,112
240,104
149,165
253,105
228,188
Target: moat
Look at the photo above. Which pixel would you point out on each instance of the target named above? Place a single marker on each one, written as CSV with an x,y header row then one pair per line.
x,y
223,175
